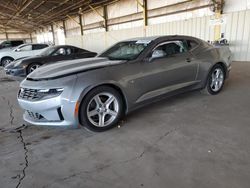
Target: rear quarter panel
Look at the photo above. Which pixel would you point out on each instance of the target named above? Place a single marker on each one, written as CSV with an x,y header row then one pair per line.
x,y
209,56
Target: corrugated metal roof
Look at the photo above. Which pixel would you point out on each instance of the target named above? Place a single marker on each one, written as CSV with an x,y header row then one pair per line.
x,y
30,15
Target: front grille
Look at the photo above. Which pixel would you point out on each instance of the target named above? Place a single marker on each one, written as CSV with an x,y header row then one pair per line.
x,y
29,94
35,116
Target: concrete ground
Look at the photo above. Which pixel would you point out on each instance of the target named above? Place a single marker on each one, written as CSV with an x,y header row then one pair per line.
x,y
189,141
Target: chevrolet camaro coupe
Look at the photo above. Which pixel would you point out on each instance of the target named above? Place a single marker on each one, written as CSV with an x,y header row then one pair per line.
x,y
97,92
24,66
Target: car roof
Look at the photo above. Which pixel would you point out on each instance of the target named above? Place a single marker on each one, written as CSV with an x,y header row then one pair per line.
x,y
32,44
151,38
21,45
62,46
143,38
65,46
11,41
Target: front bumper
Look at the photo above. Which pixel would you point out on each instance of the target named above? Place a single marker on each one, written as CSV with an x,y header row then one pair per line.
x,y
16,72
50,112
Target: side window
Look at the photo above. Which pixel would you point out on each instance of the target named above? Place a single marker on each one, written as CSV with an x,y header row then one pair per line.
x,y
7,44
68,51
78,51
191,44
25,48
38,46
16,43
60,51
75,50
175,47
169,48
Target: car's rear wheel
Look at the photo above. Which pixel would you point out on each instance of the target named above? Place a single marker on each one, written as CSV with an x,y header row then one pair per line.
x,y
33,67
101,109
215,81
7,60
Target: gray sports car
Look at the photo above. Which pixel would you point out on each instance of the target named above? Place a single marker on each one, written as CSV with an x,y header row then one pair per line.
x,y
97,92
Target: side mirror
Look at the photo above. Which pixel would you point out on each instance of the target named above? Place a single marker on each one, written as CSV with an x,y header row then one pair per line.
x,y
158,54
155,55
18,50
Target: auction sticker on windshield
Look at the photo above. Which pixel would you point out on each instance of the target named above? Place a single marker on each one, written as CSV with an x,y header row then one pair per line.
x,y
143,41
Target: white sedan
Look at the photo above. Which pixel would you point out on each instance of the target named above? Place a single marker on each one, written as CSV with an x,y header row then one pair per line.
x,y
24,50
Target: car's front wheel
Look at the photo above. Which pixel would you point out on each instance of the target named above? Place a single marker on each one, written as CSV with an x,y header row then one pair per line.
x,y
215,81
33,67
101,109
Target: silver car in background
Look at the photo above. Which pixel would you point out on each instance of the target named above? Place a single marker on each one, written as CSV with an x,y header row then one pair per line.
x,y
21,51
97,92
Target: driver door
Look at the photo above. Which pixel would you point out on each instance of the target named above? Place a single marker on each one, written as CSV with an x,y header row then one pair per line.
x,y
24,51
170,67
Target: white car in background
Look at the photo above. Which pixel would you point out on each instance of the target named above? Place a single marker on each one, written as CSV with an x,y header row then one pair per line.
x,y
24,50
10,44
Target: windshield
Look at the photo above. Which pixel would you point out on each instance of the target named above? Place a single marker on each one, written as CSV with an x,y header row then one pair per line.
x,y
4,44
48,51
128,50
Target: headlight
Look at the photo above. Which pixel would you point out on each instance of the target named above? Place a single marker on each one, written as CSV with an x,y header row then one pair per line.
x,y
49,93
12,64
57,90
38,94
17,63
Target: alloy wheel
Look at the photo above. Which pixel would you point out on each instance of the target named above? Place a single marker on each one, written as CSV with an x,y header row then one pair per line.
x,y
102,109
217,79
33,67
6,62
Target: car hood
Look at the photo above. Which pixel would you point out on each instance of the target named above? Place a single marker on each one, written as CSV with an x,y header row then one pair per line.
x,y
66,68
17,63
32,58
4,50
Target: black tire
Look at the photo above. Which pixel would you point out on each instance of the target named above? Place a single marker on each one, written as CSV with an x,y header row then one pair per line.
x,y
6,60
31,66
209,89
88,101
